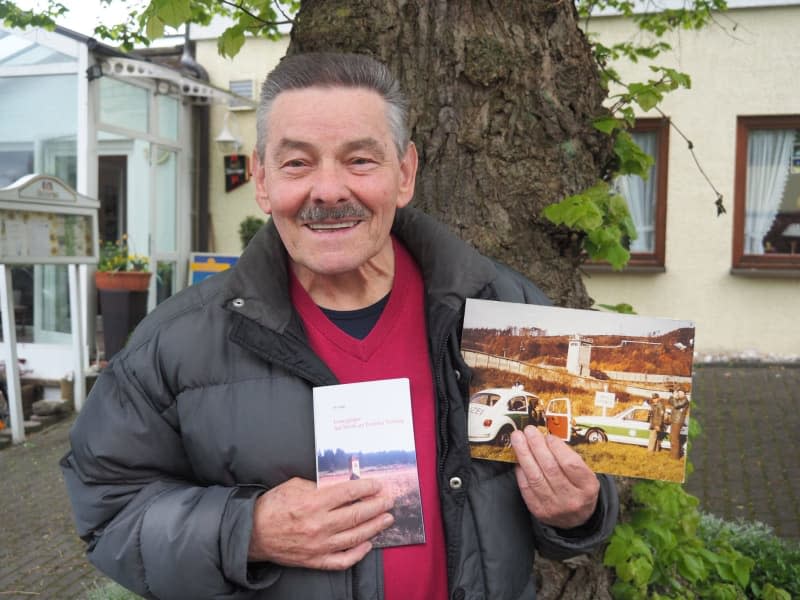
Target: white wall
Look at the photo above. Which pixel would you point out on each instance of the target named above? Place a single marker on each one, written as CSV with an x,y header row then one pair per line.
x,y
256,58
754,70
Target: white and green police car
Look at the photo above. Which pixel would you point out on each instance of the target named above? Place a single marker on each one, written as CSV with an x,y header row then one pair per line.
x,y
495,413
631,426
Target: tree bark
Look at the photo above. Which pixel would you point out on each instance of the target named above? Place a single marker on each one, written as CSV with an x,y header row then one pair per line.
x,y
502,97
502,94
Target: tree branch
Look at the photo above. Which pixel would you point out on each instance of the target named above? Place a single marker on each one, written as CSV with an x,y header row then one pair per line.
x,y
241,7
718,202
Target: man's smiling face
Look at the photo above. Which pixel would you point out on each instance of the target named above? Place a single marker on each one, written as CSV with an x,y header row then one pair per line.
x,y
332,179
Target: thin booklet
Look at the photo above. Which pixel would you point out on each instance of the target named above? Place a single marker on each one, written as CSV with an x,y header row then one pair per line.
x,y
616,387
365,430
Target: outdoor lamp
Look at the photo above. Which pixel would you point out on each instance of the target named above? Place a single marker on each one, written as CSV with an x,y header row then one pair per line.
x,y
226,141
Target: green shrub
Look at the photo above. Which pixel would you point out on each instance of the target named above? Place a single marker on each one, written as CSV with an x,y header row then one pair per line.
x,y
777,561
248,228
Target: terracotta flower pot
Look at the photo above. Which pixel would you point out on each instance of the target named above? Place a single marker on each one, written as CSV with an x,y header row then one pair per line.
x,y
135,281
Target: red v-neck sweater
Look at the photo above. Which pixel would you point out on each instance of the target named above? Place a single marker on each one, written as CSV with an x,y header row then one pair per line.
x,y
396,347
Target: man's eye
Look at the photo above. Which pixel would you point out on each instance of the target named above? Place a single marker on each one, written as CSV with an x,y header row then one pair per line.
x,y
362,160
294,163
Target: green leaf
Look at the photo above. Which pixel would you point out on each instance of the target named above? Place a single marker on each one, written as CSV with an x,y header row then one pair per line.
x,y
154,28
171,12
632,159
231,41
691,567
770,592
622,590
742,565
606,124
622,308
617,553
642,569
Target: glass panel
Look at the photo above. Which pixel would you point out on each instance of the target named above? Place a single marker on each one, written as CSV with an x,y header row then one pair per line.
x,y
16,51
51,318
772,200
60,159
38,135
22,294
168,111
123,105
165,280
14,164
166,199
641,195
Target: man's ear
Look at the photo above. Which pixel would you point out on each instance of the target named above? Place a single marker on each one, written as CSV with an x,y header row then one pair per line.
x,y
260,178
408,175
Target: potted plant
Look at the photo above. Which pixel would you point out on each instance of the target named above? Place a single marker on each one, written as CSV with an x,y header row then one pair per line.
x,y
122,281
119,269
248,228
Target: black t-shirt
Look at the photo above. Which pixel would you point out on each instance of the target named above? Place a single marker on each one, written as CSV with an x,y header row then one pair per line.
x,y
357,323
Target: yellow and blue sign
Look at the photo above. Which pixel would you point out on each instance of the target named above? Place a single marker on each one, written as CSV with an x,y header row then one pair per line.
x,y
206,264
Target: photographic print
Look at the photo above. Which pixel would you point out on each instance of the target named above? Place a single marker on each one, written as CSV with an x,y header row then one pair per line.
x,y
365,430
616,387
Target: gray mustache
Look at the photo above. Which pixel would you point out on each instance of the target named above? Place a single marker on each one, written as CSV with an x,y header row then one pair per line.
x,y
340,211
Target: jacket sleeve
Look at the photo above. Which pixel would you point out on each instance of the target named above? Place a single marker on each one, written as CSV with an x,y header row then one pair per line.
x,y
148,524
559,544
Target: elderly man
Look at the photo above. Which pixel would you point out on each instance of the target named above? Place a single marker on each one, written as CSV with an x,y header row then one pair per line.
x,y
192,464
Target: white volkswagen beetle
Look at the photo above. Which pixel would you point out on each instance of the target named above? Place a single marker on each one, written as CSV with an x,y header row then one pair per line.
x,y
494,413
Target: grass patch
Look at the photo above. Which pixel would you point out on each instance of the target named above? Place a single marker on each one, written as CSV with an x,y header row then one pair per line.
x,y
110,591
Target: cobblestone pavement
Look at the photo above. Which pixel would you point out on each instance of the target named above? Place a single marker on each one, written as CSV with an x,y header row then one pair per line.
x,y
40,553
746,465
747,462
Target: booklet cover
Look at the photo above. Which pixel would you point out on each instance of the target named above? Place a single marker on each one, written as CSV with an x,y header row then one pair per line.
x,y
616,387
366,430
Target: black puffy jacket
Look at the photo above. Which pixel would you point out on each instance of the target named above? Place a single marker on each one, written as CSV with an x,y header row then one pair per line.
x,y
210,404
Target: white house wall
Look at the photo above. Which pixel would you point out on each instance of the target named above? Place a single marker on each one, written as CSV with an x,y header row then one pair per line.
x,y
228,209
750,71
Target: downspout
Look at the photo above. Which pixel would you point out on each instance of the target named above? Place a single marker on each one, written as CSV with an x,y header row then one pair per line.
x,y
201,137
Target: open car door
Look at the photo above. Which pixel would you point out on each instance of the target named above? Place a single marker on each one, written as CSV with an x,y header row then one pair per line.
x,y
558,417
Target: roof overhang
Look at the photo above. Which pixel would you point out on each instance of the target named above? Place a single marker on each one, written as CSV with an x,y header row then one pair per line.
x,y
169,80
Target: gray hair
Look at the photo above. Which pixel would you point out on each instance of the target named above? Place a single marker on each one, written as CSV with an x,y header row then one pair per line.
x,y
330,69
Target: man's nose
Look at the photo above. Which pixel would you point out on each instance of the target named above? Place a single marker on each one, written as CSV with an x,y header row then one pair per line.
x,y
329,184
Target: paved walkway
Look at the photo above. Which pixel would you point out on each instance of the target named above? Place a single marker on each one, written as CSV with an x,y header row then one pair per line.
x,y
747,465
747,462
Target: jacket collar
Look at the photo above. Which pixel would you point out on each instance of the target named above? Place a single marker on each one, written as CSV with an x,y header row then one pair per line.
x,y
258,287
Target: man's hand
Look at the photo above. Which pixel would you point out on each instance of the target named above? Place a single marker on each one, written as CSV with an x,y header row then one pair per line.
x,y
557,486
297,525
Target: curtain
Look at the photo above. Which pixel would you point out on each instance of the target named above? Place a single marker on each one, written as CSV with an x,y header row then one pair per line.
x,y
768,161
641,195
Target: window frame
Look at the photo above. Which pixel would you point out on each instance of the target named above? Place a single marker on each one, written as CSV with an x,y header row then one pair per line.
x,y
759,262
648,262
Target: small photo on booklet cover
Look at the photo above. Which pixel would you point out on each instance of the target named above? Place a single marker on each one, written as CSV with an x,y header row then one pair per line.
x,y
616,387
365,430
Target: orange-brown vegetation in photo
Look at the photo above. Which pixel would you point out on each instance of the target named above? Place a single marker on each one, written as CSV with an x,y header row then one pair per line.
x,y
669,354
401,483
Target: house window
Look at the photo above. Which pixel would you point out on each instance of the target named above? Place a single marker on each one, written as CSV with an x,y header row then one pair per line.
x,y
647,198
767,193
243,88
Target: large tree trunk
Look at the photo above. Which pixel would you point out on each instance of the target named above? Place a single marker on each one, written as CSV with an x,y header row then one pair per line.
x,y
502,99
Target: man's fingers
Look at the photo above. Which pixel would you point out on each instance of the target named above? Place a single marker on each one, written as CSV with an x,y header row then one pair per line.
x,y
356,536
354,514
338,561
570,463
529,446
557,486
347,492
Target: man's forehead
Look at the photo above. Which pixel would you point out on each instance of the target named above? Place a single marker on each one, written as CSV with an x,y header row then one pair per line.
x,y
353,115
292,95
